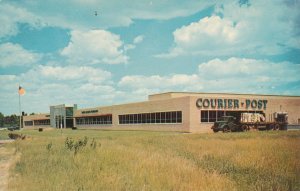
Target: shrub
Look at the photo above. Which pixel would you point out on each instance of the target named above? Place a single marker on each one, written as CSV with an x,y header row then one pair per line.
x,y
70,144
49,146
16,136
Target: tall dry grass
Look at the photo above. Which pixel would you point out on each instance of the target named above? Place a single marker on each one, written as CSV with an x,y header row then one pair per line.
x,y
138,160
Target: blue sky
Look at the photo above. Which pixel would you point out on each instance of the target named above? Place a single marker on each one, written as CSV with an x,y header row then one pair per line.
x,y
61,52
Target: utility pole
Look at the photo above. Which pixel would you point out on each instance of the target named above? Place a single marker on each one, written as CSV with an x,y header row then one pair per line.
x,y
20,109
21,92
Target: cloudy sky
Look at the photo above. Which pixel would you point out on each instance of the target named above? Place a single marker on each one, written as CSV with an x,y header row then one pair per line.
x,y
62,52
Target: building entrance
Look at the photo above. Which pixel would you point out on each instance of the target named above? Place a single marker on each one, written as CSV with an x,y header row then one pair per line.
x,y
69,123
61,116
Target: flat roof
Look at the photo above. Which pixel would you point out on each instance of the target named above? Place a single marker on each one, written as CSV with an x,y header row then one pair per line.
x,y
214,93
184,94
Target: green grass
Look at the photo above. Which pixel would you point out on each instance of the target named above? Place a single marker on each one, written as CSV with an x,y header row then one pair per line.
x,y
4,134
141,160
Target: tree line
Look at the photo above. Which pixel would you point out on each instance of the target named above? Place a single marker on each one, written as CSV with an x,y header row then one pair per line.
x,y
10,120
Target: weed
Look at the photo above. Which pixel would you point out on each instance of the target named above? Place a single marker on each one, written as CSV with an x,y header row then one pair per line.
x,y
70,144
139,160
49,146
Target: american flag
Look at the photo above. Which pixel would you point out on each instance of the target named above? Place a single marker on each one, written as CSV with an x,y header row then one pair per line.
x,y
21,91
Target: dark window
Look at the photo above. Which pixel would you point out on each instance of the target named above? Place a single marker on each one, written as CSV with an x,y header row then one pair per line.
x,y
28,123
179,117
131,119
126,119
204,116
135,118
212,116
168,117
148,120
220,114
152,118
69,111
157,118
139,118
144,118
163,117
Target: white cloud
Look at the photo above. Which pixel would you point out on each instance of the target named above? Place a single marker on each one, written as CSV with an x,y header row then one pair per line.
x,y
10,17
250,67
82,73
50,85
263,28
138,39
158,82
239,75
89,86
208,30
248,75
79,14
16,55
95,47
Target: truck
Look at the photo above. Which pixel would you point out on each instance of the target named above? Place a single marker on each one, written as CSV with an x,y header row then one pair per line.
x,y
251,121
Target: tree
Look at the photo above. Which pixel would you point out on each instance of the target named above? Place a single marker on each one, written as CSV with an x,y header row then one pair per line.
x,y
1,120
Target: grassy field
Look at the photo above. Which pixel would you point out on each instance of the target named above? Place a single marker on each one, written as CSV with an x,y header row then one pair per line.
x,y
141,160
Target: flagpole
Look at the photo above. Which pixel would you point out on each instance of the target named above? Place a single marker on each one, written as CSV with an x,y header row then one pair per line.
x,y
20,108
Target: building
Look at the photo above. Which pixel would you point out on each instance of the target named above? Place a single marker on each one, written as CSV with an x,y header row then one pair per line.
x,y
36,121
178,111
62,116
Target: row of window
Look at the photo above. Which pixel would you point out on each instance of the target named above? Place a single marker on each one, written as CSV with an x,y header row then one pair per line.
x,y
211,116
215,115
97,120
157,117
37,122
28,123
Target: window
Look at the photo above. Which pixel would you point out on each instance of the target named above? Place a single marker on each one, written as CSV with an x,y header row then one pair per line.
x,y
135,118
204,116
69,111
163,117
179,116
157,118
173,117
148,118
220,114
144,118
168,117
212,116
131,119
152,117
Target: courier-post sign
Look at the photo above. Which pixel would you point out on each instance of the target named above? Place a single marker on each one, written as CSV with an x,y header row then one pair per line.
x,y
231,103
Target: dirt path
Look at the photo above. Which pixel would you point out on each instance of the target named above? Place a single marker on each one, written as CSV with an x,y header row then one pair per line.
x,y
6,159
